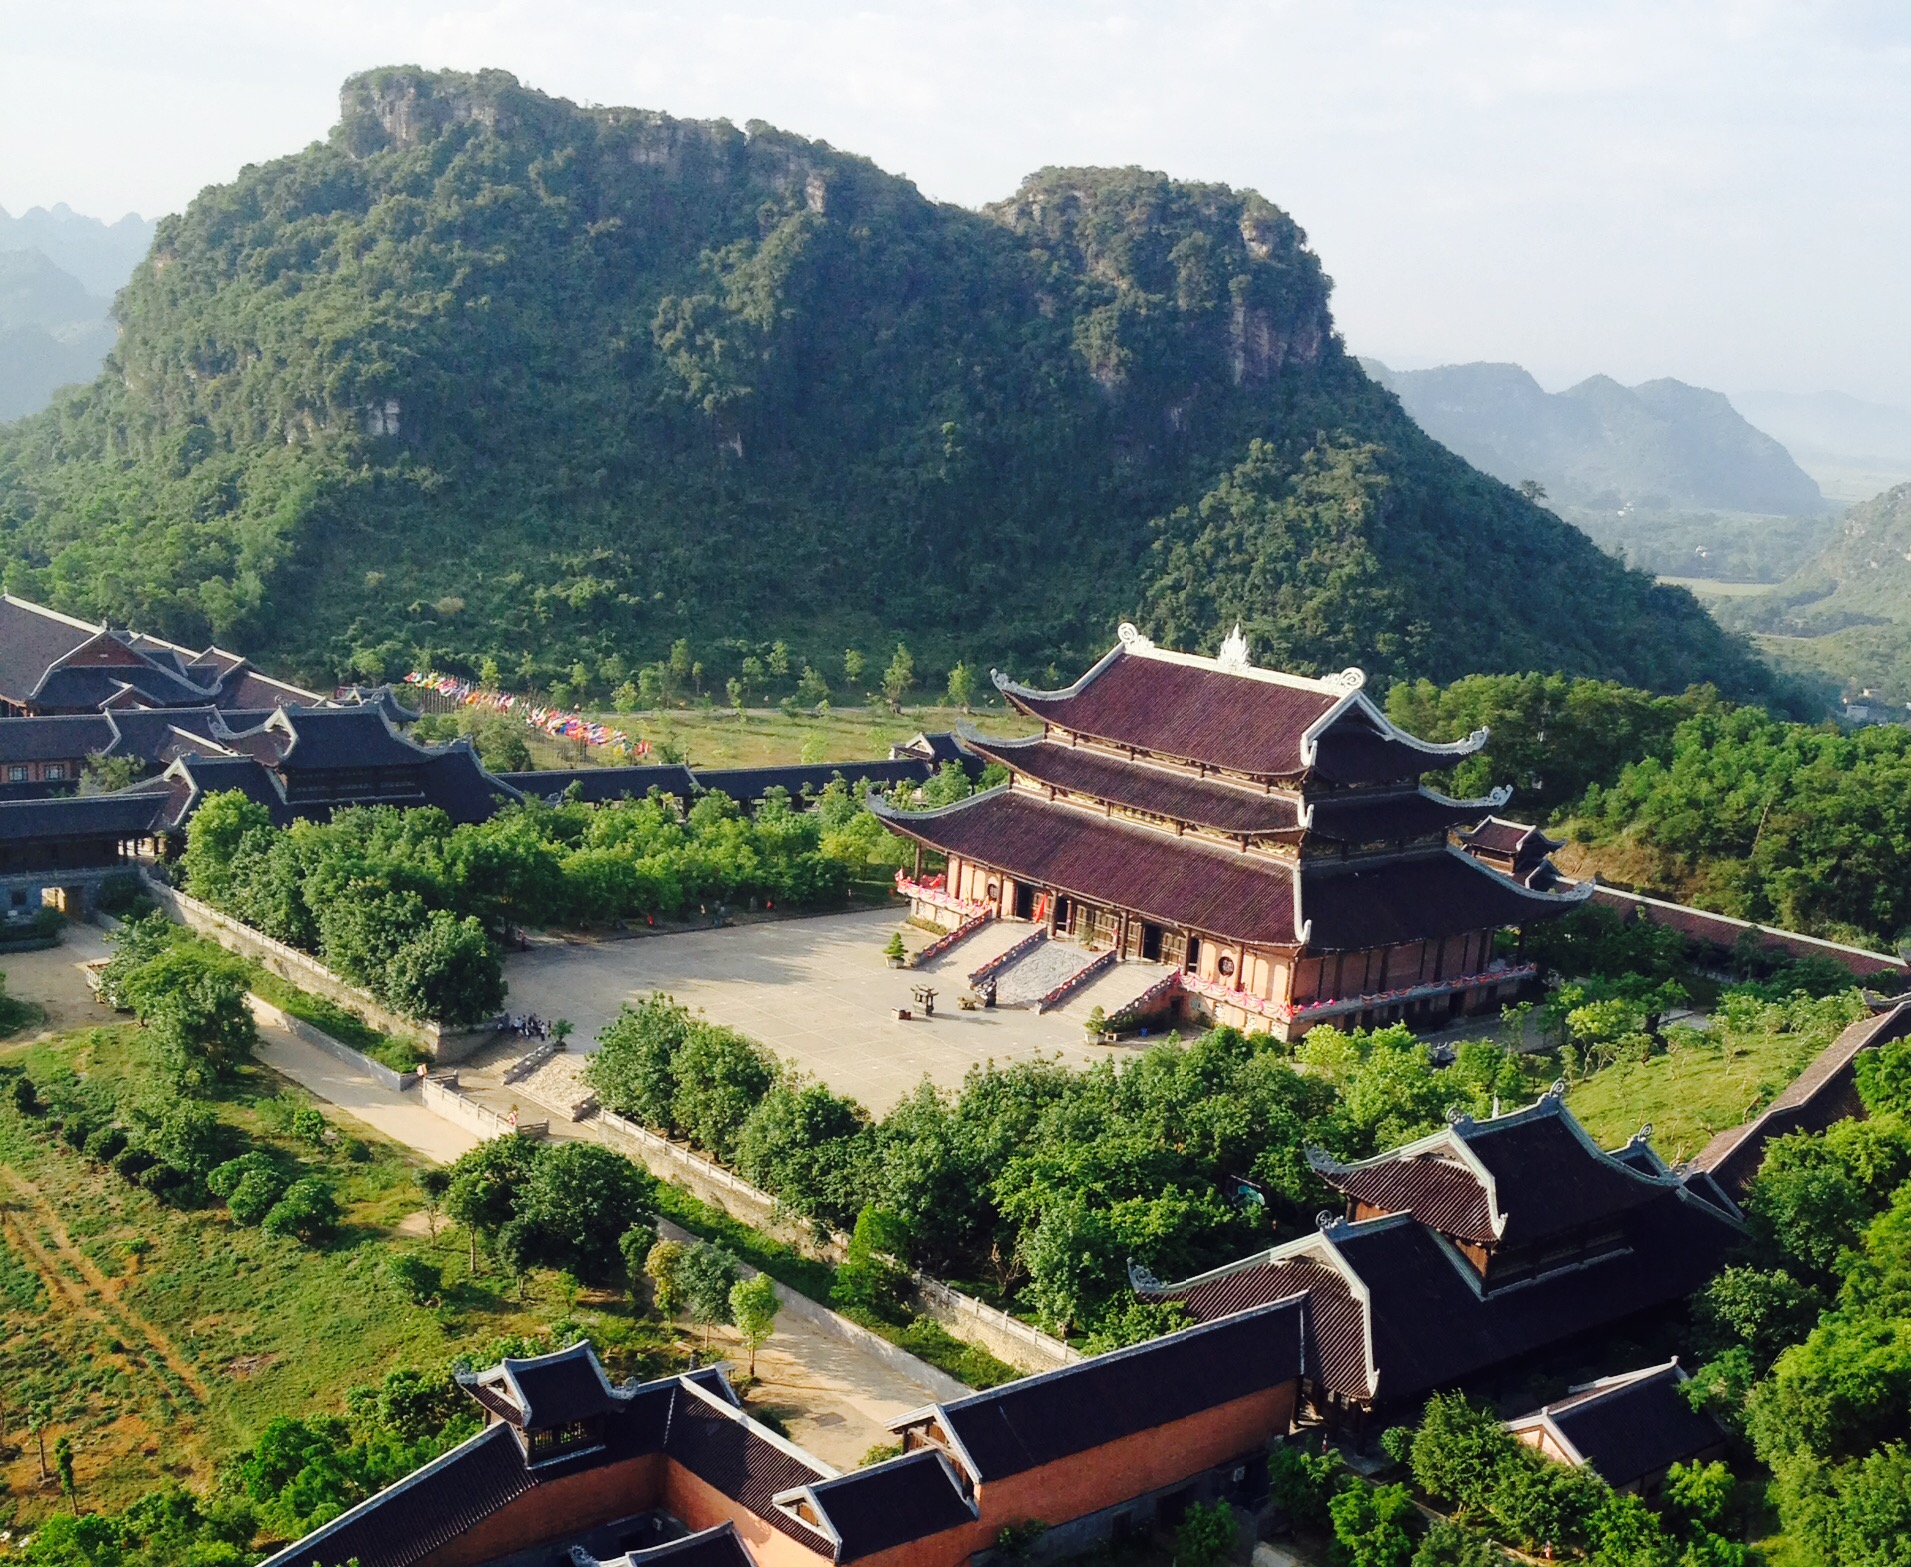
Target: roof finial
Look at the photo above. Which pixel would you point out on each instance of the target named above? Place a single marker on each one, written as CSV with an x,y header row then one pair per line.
x,y
1234,651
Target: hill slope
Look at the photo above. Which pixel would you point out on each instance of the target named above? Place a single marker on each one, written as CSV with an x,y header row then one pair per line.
x,y
1847,612
489,373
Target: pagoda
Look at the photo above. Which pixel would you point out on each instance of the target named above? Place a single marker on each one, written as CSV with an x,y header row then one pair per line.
x,y
1263,836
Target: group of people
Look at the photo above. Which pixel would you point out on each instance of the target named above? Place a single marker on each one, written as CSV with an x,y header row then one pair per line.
x,y
559,723
526,1025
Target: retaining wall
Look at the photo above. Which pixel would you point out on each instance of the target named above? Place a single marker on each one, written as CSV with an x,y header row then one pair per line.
x,y
265,1012
840,1328
305,971
1007,1338
444,1099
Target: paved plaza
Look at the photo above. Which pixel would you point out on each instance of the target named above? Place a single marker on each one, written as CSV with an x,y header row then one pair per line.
x,y
814,990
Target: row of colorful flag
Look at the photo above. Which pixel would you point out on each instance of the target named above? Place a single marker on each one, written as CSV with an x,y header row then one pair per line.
x,y
557,722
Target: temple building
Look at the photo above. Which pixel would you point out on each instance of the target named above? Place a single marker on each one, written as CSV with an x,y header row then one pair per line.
x,y
1484,1244
1263,836
52,663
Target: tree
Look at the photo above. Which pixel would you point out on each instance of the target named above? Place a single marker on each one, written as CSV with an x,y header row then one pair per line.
x,y
308,1212
482,1192
415,1279
634,1071
1370,1525
1458,1450
853,666
778,662
1302,1484
720,1077
582,1197
812,690
1206,1535
432,1181
705,1275
633,1246
63,1463
448,972
753,1308
37,1416
662,1265
962,687
1532,489
873,1276
899,677
733,691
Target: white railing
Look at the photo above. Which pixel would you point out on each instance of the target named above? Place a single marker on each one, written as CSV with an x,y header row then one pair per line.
x,y
942,944
952,1308
1002,960
1075,981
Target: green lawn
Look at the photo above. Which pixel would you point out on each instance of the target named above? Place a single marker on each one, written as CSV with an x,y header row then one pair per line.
x,y
717,737
163,1340
1701,1084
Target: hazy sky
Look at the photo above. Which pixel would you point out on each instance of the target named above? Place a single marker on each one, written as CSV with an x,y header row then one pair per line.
x,y
1715,191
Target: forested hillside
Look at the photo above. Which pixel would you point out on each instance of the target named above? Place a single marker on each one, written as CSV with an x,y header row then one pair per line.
x,y
487,373
1848,611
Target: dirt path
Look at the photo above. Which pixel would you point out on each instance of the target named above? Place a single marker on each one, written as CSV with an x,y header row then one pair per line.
x,y
97,1286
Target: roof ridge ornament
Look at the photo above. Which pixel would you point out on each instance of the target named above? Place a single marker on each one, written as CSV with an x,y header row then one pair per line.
x,y
1233,656
1130,637
1142,1280
1352,678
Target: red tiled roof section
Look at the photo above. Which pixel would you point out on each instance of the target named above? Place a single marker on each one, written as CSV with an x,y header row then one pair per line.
x,y
1204,802
1336,1344
1176,881
1439,1193
1204,715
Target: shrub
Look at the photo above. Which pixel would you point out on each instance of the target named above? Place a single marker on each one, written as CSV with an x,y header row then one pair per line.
x,y
308,1125
1370,1525
1302,1484
1206,1535
131,1163
417,1280
870,1278
24,1097
705,1275
257,1193
105,1145
308,1212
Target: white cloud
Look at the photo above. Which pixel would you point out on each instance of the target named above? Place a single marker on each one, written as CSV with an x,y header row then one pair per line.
x,y
1697,188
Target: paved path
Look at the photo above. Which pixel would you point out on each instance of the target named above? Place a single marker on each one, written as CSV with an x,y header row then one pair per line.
x,y
814,990
400,1116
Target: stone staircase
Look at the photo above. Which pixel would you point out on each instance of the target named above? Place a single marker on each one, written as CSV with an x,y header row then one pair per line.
x,y
557,1083
1039,971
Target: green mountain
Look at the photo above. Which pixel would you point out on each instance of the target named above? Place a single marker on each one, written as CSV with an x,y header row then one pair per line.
x,y
1847,612
487,372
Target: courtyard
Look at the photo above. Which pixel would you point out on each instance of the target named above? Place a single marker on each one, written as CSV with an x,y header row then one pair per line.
x,y
818,992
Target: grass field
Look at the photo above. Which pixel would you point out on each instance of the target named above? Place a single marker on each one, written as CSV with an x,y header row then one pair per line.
x,y
1711,586
163,1340
717,737
1693,1089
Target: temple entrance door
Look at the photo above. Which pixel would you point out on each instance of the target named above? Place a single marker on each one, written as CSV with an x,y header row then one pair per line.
x,y
1193,963
1064,912
1150,942
1024,901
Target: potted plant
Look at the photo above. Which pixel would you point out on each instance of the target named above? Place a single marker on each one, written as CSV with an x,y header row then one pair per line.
x,y
1096,1024
896,952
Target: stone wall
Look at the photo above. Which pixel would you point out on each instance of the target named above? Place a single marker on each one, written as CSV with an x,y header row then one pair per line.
x,y
305,971
273,1017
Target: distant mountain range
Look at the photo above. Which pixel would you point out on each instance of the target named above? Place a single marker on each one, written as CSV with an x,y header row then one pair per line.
x,y
1659,446
1854,449
59,272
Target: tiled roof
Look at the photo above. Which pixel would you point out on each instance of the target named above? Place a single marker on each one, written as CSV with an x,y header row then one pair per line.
x,y
1024,1425
1629,1427
1177,881
31,639
1336,1337
1504,837
1550,1177
427,1509
1203,802
718,1547
1438,1191
1735,1153
752,783
1377,903
332,738
889,1504
1184,710
598,784
730,1454
54,739
556,1389
1370,818
126,813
